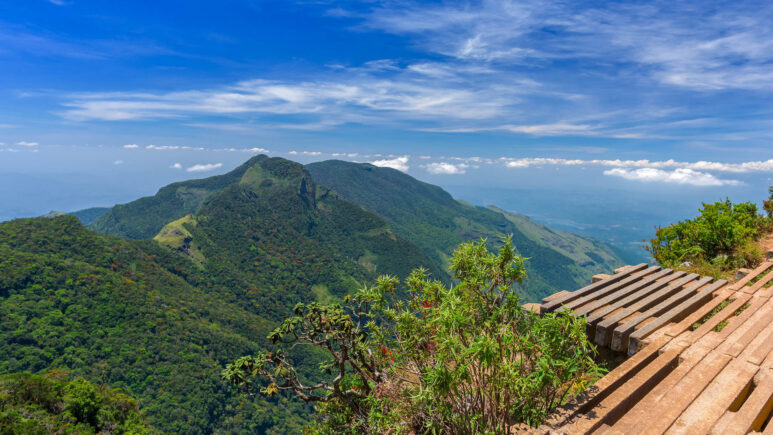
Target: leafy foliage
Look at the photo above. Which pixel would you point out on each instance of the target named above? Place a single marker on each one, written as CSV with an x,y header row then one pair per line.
x,y
721,238
50,403
461,359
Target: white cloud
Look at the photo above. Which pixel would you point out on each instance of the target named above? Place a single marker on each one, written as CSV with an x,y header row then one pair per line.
x,y
677,176
57,2
399,163
165,147
549,129
176,166
27,144
312,153
257,150
131,146
446,168
118,162
753,166
204,167
293,152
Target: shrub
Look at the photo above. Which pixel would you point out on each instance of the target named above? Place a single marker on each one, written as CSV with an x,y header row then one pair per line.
x,y
717,239
461,359
768,205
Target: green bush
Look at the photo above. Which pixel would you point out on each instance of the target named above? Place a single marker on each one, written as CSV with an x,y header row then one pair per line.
x,y
461,359
717,240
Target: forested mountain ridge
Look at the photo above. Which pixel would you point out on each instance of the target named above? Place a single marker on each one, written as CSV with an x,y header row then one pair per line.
x,y
144,218
154,319
423,214
433,220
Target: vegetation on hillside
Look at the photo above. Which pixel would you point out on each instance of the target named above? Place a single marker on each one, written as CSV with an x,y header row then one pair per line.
x,y
233,255
53,403
144,218
460,359
722,238
430,218
136,316
160,321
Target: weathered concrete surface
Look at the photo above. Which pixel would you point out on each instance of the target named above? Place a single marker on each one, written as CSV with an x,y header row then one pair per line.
x,y
695,369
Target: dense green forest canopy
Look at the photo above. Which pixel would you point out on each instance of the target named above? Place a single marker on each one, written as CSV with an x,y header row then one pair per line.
x,y
52,403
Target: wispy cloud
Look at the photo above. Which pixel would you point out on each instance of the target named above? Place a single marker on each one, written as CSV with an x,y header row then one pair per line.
x,y
677,176
528,67
131,146
24,143
176,166
204,167
332,101
118,162
732,48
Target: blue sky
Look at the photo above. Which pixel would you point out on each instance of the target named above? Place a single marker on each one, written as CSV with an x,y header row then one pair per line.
x,y
114,99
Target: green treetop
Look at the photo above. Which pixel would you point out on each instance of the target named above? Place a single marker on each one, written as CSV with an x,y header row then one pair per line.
x,y
460,359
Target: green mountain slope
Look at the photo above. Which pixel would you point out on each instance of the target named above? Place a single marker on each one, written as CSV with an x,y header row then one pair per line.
x,y
132,314
144,218
429,217
89,215
159,318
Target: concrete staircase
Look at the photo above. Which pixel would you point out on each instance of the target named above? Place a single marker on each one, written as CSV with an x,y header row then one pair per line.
x,y
700,353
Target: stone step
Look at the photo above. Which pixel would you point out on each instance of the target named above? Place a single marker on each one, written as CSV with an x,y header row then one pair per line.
x,y
753,412
622,332
607,384
753,274
600,293
635,340
598,315
665,412
622,293
553,304
719,395
623,398
604,328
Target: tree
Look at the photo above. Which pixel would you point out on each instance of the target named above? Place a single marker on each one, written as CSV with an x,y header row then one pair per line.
x,y
460,359
768,205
